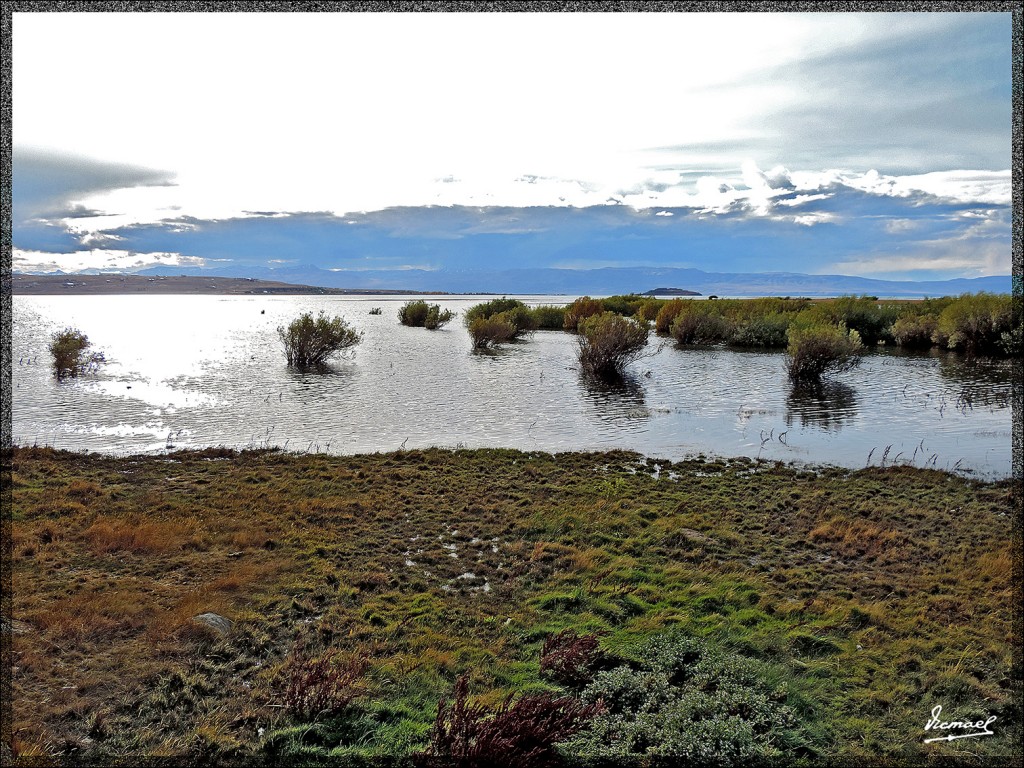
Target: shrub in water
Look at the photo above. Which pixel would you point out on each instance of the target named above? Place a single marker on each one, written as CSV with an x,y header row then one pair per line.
x,y
419,314
608,343
649,309
70,350
767,332
627,305
862,314
549,318
491,331
699,326
915,331
310,341
668,313
581,309
818,349
975,323
521,733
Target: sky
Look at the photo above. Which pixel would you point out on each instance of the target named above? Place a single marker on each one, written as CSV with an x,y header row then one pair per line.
x,y
876,145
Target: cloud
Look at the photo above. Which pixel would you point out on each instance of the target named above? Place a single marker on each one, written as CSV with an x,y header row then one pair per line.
x,y
50,184
98,259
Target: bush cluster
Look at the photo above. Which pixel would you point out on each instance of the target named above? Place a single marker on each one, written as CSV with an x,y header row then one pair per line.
x,y
683,701
420,314
499,321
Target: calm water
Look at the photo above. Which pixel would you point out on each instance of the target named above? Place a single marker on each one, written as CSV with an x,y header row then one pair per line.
x,y
189,371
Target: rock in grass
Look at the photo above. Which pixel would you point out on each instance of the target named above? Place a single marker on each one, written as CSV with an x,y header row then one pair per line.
x,y
214,621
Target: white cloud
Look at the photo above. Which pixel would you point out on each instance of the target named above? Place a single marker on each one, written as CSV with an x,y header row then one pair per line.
x,y
98,259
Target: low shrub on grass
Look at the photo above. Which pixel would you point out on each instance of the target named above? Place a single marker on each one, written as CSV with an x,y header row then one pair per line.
x,y
581,309
322,686
570,659
515,733
420,314
683,701
70,351
310,341
819,349
608,343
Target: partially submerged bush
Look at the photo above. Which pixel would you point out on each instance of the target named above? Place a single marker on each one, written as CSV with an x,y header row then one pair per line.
x,y
668,313
608,343
699,327
862,314
515,733
581,309
419,314
815,350
915,331
71,356
975,323
499,321
549,318
491,331
310,341
768,332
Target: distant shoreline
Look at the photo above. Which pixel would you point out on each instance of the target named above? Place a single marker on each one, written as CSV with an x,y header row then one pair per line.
x,y
95,285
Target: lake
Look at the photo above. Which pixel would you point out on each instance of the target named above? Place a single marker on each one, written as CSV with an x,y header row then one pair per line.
x,y
194,371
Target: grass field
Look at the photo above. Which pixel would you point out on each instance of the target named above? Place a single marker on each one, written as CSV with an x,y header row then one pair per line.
x,y
866,597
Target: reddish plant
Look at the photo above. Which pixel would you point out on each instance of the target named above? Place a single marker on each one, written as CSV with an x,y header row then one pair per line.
x,y
323,685
569,659
512,735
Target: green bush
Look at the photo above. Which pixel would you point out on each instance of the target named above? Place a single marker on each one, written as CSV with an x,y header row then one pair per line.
x,y
915,331
491,308
768,332
310,341
581,309
627,305
70,351
815,350
609,342
649,309
419,314
668,313
683,701
862,314
700,326
975,323
491,331
548,318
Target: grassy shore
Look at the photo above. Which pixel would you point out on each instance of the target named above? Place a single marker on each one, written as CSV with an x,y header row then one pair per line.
x,y
871,596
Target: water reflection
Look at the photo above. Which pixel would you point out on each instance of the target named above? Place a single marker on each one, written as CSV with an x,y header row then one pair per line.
x,y
615,400
829,406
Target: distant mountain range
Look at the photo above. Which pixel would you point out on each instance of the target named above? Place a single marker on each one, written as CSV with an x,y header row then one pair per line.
x,y
611,280
604,281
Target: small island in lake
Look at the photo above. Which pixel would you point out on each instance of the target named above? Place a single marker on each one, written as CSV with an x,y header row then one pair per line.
x,y
671,292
